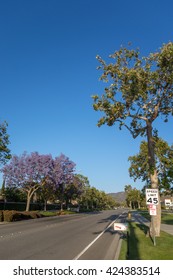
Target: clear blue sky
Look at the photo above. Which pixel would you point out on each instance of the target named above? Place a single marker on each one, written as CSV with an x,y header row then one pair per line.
x,y
48,73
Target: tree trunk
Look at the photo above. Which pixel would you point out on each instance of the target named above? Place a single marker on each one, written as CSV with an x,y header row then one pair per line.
x,y
61,206
28,200
45,205
155,220
30,191
130,204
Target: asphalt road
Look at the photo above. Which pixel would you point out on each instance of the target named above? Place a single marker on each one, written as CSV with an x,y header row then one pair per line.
x,y
80,236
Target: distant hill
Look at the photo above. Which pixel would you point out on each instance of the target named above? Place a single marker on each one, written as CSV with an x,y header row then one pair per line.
x,y
119,196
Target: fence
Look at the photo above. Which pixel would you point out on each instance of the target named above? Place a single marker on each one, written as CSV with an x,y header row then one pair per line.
x,y
21,206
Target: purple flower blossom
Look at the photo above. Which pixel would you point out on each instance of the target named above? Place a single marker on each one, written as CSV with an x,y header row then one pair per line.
x,y
31,172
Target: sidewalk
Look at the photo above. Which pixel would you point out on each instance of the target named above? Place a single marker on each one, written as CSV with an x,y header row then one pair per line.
x,y
136,217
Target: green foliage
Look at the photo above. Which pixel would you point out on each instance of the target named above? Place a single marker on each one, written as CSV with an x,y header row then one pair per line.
x,y
133,197
139,168
139,88
45,193
2,191
166,218
14,194
48,213
74,189
4,142
93,199
141,247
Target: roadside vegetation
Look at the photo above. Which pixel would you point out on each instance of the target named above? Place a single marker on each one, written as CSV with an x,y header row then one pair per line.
x,y
166,217
139,91
13,216
75,196
141,247
40,182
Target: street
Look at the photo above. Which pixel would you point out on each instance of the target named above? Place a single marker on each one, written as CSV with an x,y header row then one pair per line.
x,y
81,236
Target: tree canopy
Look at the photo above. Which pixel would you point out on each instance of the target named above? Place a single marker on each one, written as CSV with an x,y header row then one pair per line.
x,y
33,171
139,90
139,168
4,142
133,197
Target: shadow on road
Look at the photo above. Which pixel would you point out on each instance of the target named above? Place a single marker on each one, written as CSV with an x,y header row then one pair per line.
x,y
108,219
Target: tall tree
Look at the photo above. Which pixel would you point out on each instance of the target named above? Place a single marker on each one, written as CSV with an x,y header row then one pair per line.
x,y
63,170
4,142
139,168
28,172
73,190
63,173
127,189
46,192
134,198
34,171
140,89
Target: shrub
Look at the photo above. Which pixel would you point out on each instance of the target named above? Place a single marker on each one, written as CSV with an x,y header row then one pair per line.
x,y
1,216
9,215
18,216
12,215
60,213
34,215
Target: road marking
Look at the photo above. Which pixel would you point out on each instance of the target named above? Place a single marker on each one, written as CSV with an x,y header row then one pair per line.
x,y
89,245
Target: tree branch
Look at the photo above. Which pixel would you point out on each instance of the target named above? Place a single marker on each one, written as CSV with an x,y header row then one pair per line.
x,y
133,133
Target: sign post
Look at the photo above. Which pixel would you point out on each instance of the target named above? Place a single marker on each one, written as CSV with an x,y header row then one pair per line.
x,y
152,196
123,227
152,209
152,199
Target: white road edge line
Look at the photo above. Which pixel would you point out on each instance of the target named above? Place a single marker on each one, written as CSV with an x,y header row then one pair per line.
x,y
89,245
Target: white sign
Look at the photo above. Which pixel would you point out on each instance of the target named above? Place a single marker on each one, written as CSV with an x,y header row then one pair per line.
x,y
167,202
153,211
152,196
120,226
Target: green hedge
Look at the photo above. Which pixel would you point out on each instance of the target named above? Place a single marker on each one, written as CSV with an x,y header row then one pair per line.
x,y
21,206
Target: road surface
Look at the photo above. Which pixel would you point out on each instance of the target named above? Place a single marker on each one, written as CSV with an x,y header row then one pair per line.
x,y
80,236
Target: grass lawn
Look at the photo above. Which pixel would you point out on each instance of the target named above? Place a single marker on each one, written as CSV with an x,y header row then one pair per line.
x,y
55,213
142,247
166,218
47,213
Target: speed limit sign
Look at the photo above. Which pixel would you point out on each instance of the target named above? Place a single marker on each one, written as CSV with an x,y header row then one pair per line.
x,y
152,196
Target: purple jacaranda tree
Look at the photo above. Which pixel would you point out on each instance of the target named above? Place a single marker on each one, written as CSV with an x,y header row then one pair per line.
x,y
28,172
63,174
60,175
34,171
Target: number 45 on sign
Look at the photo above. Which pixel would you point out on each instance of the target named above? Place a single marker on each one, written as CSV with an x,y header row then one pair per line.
x,y
152,196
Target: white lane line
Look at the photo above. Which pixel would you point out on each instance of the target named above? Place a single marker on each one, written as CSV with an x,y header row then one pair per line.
x,y
89,245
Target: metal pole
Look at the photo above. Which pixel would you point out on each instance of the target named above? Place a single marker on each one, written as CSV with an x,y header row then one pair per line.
x,y
154,240
128,244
